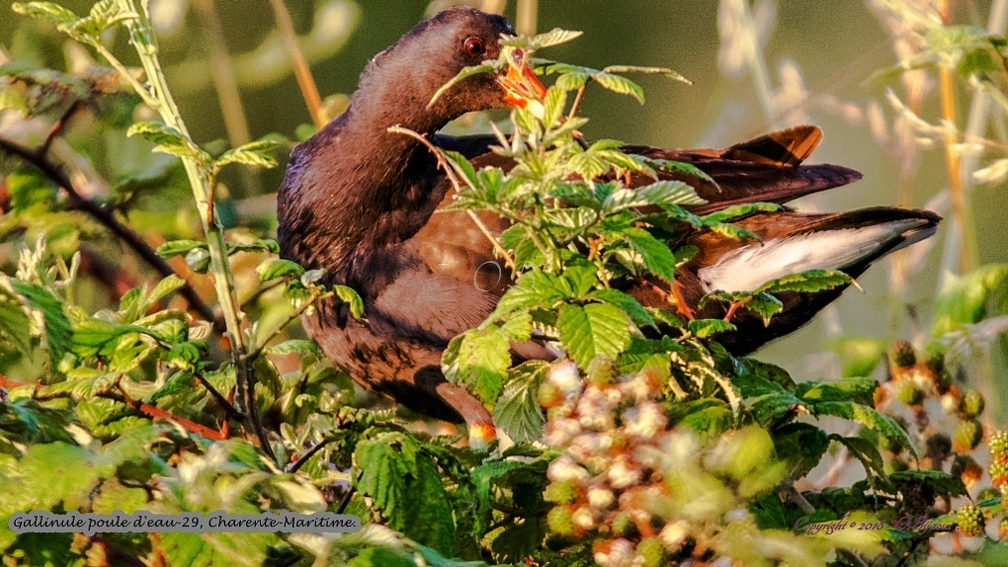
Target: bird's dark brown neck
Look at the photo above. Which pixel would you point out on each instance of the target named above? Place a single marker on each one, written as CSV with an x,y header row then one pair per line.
x,y
355,185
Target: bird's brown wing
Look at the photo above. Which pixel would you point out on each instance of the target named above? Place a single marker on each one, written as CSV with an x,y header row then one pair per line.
x,y
765,169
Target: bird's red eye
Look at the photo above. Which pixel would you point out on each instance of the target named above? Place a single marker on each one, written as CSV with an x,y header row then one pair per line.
x,y
474,46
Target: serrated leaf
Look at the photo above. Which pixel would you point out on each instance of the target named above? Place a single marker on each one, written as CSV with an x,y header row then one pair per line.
x,y
533,289
385,461
258,153
588,165
765,305
620,69
478,360
867,416
705,328
350,296
621,85
663,193
462,168
939,482
554,105
257,246
296,346
555,36
485,67
46,11
655,254
571,81
169,140
810,281
58,331
593,330
627,303
278,268
738,211
179,247
517,411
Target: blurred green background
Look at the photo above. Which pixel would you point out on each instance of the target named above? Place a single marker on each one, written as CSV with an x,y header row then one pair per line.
x,y
818,58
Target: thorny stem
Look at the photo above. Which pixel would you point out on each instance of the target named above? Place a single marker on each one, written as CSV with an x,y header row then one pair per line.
x,y
160,99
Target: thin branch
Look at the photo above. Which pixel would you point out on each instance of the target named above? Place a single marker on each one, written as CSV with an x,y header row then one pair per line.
x,y
301,70
291,317
105,217
960,207
293,467
229,409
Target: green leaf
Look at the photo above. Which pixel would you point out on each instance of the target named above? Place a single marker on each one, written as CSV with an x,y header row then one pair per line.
x,y
866,452
485,67
664,193
627,303
621,85
738,211
859,356
478,360
555,36
426,515
350,296
58,331
518,541
705,328
278,268
655,254
517,411
534,289
198,260
593,330
555,103
296,346
257,246
765,305
810,281
621,69
385,460
258,153
15,326
867,416
462,168
169,140
939,482
179,247
588,165
45,11
966,300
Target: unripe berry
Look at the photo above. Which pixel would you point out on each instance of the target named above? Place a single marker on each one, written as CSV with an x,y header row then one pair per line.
x,y
967,436
560,521
562,492
909,393
652,551
971,520
999,444
972,404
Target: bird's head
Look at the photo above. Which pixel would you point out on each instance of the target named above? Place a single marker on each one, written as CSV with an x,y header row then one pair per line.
x,y
399,84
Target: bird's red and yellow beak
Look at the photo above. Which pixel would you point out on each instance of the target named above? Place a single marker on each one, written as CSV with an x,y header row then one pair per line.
x,y
522,88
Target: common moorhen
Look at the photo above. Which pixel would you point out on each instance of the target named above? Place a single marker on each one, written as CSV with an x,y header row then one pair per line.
x,y
358,202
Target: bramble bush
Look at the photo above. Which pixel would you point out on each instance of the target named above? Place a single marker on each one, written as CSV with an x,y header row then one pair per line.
x,y
644,443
